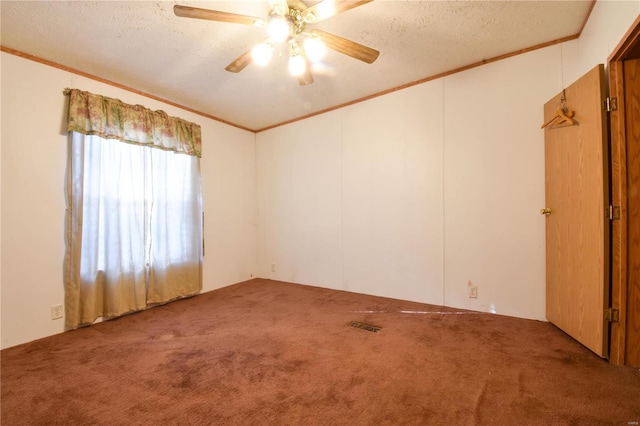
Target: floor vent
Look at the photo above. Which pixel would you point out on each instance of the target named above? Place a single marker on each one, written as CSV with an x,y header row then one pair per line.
x,y
367,327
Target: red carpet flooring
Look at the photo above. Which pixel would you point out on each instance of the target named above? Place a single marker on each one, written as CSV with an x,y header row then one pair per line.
x,y
271,353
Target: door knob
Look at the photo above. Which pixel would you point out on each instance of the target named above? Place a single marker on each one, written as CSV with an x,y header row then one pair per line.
x,y
546,211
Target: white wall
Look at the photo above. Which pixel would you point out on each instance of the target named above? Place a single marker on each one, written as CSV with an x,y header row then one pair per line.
x,y
299,198
352,199
33,203
34,145
494,183
428,188
392,195
417,193
608,23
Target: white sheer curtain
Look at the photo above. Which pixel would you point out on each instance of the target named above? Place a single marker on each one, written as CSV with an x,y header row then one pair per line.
x,y
175,226
134,227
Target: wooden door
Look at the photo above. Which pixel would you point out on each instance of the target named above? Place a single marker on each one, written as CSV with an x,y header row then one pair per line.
x,y
577,231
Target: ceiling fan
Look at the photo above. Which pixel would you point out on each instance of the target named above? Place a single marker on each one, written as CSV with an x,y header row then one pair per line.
x,y
286,23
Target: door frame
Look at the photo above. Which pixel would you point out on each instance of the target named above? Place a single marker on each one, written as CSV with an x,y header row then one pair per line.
x,y
628,48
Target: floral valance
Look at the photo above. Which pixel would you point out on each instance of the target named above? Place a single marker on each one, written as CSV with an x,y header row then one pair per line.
x,y
109,118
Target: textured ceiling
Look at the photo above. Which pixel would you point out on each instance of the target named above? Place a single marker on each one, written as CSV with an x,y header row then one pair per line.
x,y
143,45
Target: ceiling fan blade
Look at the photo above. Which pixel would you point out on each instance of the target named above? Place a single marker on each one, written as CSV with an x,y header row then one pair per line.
x,y
215,15
279,6
296,4
328,8
240,62
347,47
306,78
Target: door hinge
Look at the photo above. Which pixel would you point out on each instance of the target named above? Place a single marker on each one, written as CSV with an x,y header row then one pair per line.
x,y
610,104
613,212
612,315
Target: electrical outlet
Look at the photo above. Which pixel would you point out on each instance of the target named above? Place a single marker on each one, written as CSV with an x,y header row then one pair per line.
x,y
273,267
473,292
56,312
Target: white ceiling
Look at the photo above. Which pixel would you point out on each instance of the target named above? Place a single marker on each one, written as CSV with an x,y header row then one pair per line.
x,y
143,45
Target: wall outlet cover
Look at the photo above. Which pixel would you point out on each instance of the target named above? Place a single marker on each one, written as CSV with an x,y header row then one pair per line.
x,y
56,311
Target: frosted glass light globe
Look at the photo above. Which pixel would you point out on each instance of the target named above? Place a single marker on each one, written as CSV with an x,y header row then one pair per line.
x,y
297,65
278,29
314,48
261,54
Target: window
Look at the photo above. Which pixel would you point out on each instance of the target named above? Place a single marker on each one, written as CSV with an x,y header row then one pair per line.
x,y
134,222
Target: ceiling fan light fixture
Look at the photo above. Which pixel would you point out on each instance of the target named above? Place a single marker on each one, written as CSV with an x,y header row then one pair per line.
x,y
278,28
314,48
261,54
297,65
286,22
